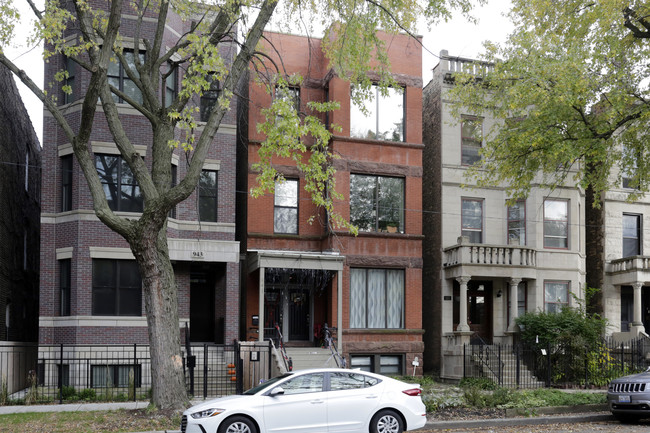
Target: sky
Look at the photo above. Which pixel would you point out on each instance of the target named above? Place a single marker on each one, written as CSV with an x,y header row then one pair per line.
x,y
457,36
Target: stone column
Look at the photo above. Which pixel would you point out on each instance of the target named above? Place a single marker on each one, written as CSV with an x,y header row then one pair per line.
x,y
637,321
514,301
462,319
339,311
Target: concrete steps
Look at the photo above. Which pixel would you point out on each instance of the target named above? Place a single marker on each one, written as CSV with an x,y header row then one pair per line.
x,y
310,357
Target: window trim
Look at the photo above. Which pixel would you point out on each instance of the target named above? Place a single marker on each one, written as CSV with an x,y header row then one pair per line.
x,y
522,203
117,289
118,204
65,287
568,218
296,207
378,103
462,218
209,99
639,234
212,199
122,76
386,303
376,205
566,283
463,139
170,92
375,362
66,182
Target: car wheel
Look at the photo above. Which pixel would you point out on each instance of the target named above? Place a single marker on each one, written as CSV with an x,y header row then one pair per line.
x,y
627,419
237,424
386,421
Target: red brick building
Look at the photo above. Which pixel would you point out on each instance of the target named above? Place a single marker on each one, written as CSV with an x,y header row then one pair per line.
x,y
90,290
299,275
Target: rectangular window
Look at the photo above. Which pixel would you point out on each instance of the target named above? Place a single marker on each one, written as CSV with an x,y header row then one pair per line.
x,y
118,78
209,99
115,376
556,295
556,224
289,94
68,82
377,203
631,235
285,213
517,223
117,288
65,281
120,187
382,364
171,85
382,117
472,220
376,298
471,132
66,183
208,196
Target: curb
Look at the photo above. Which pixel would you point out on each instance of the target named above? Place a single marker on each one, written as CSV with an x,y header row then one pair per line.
x,y
510,422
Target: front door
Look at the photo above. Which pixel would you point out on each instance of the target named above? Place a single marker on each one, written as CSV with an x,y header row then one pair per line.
x,y
479,309
202,287
299,304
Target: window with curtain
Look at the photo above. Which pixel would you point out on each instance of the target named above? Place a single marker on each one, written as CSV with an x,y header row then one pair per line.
x,y
556,295
120,187
377,203
376,298
631,235
382,117
285,212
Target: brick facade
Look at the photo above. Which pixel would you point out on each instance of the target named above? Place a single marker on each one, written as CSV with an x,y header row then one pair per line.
x,y
314,244
20,176
203,253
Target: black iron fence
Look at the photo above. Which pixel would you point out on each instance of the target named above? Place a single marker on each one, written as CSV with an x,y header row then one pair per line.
x,y
559,365
68,373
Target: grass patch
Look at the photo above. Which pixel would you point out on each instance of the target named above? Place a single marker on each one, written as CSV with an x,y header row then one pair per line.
x,y
87,422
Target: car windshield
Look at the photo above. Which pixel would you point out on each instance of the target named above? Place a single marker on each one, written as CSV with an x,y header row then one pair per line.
x,y
265,384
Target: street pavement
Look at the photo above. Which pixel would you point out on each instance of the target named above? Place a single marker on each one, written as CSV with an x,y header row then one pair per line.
x,y
597,421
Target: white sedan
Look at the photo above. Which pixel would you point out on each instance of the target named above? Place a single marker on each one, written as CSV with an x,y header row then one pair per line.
x,y
314,401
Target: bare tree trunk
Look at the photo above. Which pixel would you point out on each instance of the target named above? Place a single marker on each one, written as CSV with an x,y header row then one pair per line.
x,y
161,306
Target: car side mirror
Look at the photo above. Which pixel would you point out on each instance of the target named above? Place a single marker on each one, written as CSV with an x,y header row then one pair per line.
x,y
276,391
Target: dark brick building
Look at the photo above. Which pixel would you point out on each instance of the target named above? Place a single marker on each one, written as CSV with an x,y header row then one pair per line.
x,y
300,275
90,287
20,173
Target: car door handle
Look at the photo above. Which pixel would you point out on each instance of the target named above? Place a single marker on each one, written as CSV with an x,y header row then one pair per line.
x,y
317,401
371,396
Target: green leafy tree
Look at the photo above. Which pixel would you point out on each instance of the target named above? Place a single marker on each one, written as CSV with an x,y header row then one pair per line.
x,y
90,33
570,89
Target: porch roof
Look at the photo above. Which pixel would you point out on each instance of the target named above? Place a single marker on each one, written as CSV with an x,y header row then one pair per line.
x,y
294,260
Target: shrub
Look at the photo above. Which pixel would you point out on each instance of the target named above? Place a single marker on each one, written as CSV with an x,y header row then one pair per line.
x,y
68,392
478,382
4,391
88,394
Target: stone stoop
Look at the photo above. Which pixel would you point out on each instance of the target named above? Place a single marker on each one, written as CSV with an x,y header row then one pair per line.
x,y
310,357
